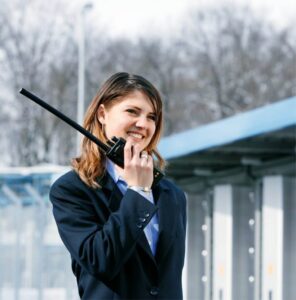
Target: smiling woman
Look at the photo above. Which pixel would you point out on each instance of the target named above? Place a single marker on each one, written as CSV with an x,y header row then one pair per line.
x,y
126,237
124,107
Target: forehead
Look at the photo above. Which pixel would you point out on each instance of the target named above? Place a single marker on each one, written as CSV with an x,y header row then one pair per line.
x,y
136,99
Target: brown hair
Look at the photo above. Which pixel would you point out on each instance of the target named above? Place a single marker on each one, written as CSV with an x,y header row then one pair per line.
x,y
91,163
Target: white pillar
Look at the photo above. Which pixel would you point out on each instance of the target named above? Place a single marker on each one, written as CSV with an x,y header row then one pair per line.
x,y
289,258
222,240
272,238
81,69
197,252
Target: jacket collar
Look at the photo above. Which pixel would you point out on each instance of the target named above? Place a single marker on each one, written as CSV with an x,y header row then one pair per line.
x,y
109,191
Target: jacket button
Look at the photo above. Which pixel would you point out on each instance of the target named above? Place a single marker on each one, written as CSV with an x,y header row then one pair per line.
x,y
142,220
154,291
147,214
139,225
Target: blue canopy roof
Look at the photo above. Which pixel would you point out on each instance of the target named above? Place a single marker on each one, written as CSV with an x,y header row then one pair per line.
x,y
255,122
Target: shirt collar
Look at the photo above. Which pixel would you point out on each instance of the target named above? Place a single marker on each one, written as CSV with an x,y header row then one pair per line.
x,y
111,170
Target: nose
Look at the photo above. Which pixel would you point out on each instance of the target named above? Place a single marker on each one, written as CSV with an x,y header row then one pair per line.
x,y
142,122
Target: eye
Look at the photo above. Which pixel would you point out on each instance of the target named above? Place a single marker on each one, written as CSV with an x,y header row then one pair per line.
x,y
131,111
152,117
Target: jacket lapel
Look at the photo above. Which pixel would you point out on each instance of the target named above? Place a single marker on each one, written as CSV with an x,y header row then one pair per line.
x,y
143,242
167,213
110,193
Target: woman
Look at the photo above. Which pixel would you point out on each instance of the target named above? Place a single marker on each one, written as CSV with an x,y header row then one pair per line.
x,y
126,240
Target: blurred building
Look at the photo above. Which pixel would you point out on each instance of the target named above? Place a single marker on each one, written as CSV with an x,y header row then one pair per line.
x,y
240,179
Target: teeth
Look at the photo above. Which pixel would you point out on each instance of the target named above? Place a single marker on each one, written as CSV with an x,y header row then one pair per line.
x,y
136,135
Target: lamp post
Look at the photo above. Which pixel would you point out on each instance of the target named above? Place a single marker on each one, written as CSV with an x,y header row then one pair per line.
x,y
81,67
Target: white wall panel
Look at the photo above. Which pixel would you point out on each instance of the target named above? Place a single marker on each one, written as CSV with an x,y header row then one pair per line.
x,y
222,242
272,238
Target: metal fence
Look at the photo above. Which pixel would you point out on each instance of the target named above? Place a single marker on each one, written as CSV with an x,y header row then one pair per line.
x,y
34,263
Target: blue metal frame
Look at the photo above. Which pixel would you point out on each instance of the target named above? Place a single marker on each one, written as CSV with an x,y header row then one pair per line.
x,y
265,119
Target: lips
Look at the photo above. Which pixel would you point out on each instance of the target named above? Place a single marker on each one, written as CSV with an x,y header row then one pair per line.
x,y
136,135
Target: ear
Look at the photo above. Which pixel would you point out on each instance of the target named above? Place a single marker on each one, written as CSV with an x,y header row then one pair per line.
x,y
101,113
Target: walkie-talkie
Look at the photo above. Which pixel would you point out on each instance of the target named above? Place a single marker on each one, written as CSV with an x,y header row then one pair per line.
x,y
115,148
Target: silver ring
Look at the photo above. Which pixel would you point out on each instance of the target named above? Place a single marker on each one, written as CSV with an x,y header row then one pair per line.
x,y
144,154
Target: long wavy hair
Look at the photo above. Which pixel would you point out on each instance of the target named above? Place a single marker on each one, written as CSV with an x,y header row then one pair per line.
x,y
90,165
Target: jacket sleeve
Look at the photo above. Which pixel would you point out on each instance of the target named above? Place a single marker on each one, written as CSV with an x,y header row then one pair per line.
x,y
99,245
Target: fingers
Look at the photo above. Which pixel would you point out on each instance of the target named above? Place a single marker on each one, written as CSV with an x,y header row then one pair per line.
x,y
133,154
146,159
138,166
136,150
128,152
144,154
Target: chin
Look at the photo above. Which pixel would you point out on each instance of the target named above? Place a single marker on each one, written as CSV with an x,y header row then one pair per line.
x,y
134,140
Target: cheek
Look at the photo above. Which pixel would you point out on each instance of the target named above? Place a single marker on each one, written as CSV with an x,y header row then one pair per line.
x,y
117,126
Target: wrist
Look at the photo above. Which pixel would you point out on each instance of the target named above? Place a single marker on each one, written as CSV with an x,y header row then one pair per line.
x,y
137,188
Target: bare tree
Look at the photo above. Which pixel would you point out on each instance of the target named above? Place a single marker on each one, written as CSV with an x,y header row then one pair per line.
x,y
239,59
37,54
160,61
223,61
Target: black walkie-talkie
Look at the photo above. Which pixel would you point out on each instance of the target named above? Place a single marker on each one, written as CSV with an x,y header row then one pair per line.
x,y
114,149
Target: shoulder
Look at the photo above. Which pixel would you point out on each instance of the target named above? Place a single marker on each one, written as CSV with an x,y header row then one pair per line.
x,y
167,184
68,181
69,177
176,194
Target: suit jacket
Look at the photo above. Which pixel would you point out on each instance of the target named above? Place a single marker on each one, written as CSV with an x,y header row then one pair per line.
x,y
103,231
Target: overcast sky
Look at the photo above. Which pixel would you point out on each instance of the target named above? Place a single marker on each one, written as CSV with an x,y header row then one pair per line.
x,y
132,17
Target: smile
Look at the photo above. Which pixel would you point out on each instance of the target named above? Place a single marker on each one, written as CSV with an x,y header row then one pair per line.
x,y
135,135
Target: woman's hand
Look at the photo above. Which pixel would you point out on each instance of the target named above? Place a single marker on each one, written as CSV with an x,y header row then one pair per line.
x,y
138,166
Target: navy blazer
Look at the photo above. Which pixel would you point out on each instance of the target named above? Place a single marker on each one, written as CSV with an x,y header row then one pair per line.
x,y
103,231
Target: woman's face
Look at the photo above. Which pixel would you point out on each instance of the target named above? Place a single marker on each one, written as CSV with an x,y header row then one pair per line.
x,y
132,118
